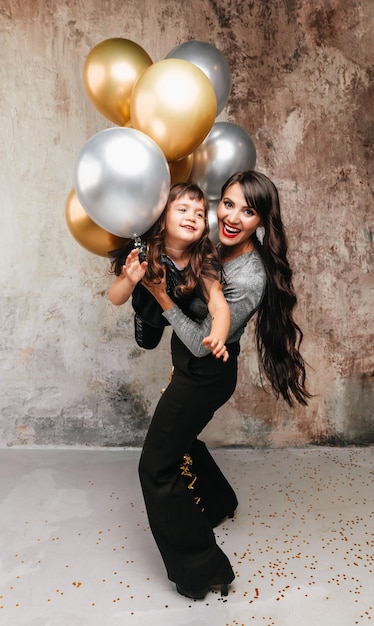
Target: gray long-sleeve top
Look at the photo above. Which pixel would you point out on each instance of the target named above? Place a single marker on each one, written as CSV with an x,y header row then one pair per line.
x,y
245,285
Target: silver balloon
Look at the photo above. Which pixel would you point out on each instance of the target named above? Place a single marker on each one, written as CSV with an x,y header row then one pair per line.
x,y
122,180
226,150
213,222
212,62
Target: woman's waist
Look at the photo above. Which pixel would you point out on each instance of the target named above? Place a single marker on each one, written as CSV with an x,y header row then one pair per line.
x,y
181,352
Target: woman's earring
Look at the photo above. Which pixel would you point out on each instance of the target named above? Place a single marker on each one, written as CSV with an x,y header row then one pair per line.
x,y
260,234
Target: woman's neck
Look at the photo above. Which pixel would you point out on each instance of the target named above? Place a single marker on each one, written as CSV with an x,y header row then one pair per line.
x,y
229,253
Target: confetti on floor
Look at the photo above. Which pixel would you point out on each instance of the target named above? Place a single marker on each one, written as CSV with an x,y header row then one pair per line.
x,y
76,546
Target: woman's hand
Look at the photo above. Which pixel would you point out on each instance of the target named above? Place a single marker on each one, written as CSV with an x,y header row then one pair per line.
x,y
157,288
217,347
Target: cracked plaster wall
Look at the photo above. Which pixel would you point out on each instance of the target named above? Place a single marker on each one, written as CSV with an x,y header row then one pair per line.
x,y
303,88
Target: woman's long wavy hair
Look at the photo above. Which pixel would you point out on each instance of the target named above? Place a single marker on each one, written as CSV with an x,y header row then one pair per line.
x,y
278,337
204,259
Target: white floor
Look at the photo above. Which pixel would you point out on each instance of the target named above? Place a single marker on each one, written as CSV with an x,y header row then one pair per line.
x,y
76,550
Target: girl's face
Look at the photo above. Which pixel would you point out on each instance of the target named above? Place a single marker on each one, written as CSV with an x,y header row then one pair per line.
x,y
184,222
237,221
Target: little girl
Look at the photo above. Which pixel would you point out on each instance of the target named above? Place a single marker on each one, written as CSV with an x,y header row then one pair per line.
x,y
179,242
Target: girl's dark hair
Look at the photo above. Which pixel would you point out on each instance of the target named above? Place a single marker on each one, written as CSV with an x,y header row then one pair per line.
x,y
204,259
278,337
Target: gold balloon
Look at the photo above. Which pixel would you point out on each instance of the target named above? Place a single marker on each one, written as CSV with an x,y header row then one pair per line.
x,y
109,74
180,170
174,103
88,234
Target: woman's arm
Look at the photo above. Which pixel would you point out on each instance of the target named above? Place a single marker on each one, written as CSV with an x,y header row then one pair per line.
x,y
245,284
220,314
124,285
193,333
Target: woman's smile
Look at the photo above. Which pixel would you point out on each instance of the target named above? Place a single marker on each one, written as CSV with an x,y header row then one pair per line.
x,y
230,231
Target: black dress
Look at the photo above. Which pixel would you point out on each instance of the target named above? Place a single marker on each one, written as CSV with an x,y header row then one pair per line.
x,y
149,322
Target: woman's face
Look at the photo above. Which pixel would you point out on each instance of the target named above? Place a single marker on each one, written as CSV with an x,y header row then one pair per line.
x,y
237,221
185,222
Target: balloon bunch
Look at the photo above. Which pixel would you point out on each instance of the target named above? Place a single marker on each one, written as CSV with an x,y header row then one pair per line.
x,y
165,132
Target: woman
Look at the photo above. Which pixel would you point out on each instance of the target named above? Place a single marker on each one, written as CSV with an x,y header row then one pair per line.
x,y
258,279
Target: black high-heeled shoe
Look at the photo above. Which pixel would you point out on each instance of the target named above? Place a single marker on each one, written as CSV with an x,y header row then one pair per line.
x,y
217,521
200,595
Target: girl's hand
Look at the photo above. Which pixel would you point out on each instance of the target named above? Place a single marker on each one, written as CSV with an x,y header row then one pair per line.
x,y
217,347
132,269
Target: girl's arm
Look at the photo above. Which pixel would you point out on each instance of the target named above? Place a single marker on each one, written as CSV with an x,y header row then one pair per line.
x,y
124,285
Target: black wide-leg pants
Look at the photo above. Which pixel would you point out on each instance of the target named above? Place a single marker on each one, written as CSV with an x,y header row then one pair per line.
x,y
182,531
212,491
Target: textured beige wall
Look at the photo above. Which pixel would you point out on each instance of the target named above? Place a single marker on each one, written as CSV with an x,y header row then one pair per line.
x,y
303,88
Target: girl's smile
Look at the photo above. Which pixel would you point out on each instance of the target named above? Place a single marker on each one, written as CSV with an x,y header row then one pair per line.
x,y
185,222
